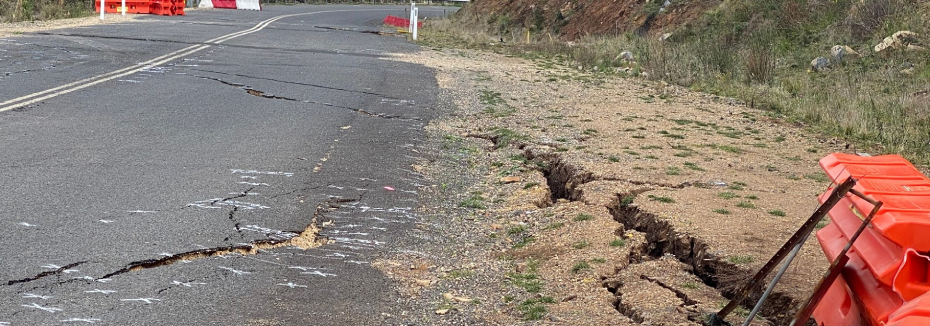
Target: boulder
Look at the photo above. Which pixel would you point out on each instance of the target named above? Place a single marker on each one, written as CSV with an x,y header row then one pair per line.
x,y
841,52
898,40
626,56
820,64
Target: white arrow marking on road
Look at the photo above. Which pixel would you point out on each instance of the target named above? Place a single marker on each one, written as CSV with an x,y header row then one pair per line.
x,y
37,306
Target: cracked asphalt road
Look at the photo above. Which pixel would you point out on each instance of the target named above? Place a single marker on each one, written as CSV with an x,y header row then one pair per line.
x,y
136,200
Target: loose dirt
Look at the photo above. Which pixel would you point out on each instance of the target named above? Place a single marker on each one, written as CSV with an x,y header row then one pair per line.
x,y
18,28
565,197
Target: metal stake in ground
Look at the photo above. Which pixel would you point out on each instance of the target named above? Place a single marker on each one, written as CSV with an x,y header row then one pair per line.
x,y
836,267
838,193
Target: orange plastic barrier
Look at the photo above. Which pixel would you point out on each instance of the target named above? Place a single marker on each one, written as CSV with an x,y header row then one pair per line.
x,y
894,181
399,22
887,279
155,7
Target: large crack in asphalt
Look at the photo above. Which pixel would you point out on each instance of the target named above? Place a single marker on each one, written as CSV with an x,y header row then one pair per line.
x,y
299,83
564,180
58,271
262,94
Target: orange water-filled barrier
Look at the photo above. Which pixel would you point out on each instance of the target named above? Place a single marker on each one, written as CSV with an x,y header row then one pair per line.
x,y
887,278
155,7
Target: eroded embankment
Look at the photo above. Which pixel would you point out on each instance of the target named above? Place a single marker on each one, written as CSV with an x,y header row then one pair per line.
x,y
565,180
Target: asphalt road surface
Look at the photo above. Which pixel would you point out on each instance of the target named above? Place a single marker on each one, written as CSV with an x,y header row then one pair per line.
x,y
143,164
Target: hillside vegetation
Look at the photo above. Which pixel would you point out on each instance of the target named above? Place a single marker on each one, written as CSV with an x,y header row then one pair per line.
x,y
29,10
760,52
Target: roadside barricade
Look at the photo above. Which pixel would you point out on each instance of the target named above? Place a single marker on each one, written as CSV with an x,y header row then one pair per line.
x,y
886,278
154,7
231,4
399,22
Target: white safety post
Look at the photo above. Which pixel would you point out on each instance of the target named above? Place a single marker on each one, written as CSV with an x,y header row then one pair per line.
x,y
124,7
102,4
410,25
416,12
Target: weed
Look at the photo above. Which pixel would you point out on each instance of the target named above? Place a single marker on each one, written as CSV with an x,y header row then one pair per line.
x,y
822,224
475,201
589,132
535,309
741,259
662,199
753,197
722,211
613,159
727,195
777,212
504,137
693,166
460,273
618,243
690,285
523,242
672,170
632,153
553,226
650,147
730,149
530,185
652,157
683,154
745,204
627,200
516,229
582,217
581,244
580,266
817,177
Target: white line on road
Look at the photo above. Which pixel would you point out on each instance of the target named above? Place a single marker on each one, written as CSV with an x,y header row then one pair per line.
x,y
87,82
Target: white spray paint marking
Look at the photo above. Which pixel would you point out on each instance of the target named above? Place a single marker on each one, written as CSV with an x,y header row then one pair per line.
x,y
51,266
37,306
244,193
347,233
26,224
103,280
106,221
69,271
304,268
357,262
272,233
142,212
247,177
235,271
377,228
318,273
166,254
86,320
240,171
128,81
43,297
187,284
291,285
219,202
254,183
100,291
4,323
146,300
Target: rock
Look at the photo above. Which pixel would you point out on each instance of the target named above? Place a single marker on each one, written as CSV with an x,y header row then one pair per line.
x,y
442,311
898,40
820,64
665,36
908,71
626,56
840,52
511,179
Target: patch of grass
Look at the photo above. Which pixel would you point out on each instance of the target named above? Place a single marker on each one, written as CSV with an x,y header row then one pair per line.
x,y
730,149
523,242
504,137
683,154
553,226
460,273
727,195
652,157
690,285
817,177
598,260
618,243
589,132
735,186
535,309
650,147
632,153
694,166
613,159
516,230
529,185
741,259
627,200
822,224
753,197
580,266
776,212
638,136
582,217
662,199
672,170
722,211
745,204
581,244
529,280
475,201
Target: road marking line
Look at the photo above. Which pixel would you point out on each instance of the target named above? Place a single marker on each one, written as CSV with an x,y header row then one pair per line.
x,y
91,81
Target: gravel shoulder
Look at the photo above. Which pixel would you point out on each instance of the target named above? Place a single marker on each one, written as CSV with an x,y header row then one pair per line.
x,y
18,28
563,197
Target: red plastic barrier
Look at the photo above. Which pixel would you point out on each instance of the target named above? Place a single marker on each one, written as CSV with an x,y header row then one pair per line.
x,y
915,312
894,181
396,21
155,7
225,4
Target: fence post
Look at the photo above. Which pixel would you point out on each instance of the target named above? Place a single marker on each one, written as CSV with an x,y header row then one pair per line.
x,y
102,8
416,13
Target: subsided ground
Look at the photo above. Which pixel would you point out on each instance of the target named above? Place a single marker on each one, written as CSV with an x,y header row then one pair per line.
x,y
567,198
